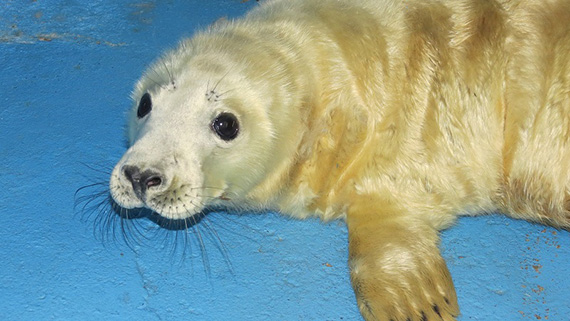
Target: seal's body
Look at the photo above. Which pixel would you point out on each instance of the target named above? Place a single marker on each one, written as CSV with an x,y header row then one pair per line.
x,y
394,115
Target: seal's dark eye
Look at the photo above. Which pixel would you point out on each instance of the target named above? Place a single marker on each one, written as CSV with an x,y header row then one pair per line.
x,y
145,106
226,126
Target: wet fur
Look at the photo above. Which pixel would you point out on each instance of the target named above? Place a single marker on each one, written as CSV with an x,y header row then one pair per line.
x,y
396,116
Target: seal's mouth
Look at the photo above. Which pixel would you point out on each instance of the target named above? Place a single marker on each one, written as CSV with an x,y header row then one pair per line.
x,y
174,224
161,220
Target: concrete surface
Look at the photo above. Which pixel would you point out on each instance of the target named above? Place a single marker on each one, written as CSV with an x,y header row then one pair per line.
x,y
67,68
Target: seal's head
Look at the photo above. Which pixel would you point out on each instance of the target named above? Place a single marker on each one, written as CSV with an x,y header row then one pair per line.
x,y
206,129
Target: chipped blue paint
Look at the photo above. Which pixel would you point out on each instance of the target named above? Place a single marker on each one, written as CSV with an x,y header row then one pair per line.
x,y
67,71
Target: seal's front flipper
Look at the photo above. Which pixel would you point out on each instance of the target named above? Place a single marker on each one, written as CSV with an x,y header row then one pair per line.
x,y
397,271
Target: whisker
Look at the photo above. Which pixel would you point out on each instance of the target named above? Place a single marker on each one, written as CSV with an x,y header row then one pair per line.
x,y
225,92
101,170
242,225
201,187
159,85
219,243
170,73
220,80
204,254
160,79
170,78
115,224
87,200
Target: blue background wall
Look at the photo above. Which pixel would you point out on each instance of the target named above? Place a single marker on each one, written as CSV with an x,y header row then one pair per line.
x,y
67,69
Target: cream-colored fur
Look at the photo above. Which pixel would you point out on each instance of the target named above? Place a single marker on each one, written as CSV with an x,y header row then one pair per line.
x,y
397,116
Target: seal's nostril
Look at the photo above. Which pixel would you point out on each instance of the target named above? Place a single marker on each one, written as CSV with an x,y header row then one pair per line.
x,y
142,181
153,181
132,173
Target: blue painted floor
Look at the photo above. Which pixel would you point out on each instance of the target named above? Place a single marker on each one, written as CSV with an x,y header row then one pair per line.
x,y
67,69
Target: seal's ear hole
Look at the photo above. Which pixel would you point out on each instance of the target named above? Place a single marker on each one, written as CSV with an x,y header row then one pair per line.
x,y
145,106
226,126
